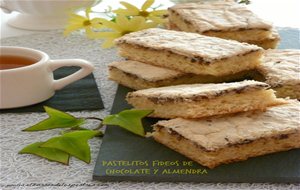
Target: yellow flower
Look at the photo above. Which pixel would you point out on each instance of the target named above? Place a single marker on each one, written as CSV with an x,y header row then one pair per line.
x,y
131,10
77,22
122,26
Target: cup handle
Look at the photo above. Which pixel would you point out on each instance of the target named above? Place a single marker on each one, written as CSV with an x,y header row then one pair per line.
x,y
4,7
86,69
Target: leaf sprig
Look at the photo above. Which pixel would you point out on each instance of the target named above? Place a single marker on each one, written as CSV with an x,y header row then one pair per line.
x,y
74,140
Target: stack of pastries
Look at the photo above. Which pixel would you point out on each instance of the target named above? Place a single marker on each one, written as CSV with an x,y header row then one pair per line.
x,y
224,19
186,77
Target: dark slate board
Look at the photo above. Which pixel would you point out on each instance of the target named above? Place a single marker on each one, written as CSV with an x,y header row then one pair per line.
x,y
127,157
78,96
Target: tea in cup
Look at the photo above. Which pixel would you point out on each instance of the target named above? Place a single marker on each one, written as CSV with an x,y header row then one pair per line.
x,y
26,76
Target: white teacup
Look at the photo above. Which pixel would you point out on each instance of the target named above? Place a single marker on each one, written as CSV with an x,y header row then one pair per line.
x,y
34,83
42,14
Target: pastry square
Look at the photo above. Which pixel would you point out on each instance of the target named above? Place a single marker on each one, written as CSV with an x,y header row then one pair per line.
x,y
220,140
203,100
138,75
270,42
223,19
281,70
189,52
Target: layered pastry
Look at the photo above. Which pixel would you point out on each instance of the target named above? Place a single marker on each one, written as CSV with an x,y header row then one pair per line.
x,y
189,52
219,140
281,70
138,75
203,100
267,43
223,19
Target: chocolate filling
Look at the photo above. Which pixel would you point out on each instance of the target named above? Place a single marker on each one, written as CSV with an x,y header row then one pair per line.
x,y
188,21
197,97
193,59
235,30
229,144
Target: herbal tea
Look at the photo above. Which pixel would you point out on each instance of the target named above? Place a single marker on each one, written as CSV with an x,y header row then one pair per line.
x,y
13,61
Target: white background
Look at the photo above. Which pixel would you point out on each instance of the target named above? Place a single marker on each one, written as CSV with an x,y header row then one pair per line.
x,y
283,13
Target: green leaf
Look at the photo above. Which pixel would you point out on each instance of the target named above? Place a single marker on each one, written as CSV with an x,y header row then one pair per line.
x,y
57,119
130,120
247,2
74,143
51,154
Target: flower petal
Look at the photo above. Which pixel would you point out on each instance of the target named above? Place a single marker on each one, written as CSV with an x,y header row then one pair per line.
x,y
109,24
108,43
136,22
147,4
159,12
130,7
123,22
125,12
89,32
96,23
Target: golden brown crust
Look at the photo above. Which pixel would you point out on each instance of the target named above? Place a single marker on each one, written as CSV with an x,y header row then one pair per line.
x,y
270,42
216,140
218,16
144,71
227,20
197,92
238,152
191,45
281,67
138,75
203,100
